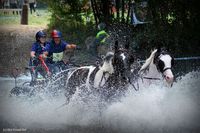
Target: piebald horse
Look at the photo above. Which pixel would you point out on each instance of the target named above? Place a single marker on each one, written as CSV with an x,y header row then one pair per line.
x,y
90,77
112,75
158,66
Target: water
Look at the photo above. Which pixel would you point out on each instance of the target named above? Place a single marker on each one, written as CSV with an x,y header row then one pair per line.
x,y
155,108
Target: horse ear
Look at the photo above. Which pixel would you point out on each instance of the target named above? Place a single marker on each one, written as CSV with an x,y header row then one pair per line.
x,y
158,49
127,44
116,45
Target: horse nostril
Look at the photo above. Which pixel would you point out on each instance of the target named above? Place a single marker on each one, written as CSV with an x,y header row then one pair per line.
x,y
167,77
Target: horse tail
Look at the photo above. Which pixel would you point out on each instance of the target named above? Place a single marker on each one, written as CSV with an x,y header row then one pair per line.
x,y
148,61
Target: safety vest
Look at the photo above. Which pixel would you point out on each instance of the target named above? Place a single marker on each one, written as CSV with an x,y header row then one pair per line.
x,y
101,36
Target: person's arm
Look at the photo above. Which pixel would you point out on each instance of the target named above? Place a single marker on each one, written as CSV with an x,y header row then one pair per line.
x,y
45,54
32,54
33,49
46,50
70,46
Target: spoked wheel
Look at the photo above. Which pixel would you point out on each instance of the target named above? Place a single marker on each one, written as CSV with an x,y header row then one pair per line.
x,y
20,91
26,89
27,83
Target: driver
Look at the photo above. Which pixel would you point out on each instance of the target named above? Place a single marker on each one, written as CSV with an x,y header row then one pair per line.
x,y
36,52
54,51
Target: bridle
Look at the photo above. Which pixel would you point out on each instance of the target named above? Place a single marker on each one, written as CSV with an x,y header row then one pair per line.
x,y
157,61
166,69
160,64
131,59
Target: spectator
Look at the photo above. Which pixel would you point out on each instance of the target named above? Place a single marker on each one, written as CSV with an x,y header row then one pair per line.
x,y
6,3
13,5
21,2
100,39
32,4
1,4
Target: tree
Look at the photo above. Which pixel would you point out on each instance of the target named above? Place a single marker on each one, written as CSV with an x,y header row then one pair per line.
x,y
175,23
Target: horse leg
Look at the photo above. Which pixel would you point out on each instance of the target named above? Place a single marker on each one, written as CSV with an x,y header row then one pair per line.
x,y
71,88
78,78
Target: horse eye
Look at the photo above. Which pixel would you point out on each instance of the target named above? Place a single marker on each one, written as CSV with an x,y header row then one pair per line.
x,y
161,65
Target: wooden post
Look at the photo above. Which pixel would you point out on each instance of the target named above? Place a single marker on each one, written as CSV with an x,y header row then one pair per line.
x,y
15,74
24,16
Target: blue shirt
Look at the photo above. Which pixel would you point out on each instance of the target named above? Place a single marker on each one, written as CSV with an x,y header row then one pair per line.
x,y
52,48
37,48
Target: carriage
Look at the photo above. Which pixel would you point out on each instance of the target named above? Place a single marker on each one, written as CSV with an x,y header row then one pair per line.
x,y
111,78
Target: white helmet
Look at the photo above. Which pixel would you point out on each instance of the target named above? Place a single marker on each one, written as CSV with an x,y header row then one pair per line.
x,y
101,26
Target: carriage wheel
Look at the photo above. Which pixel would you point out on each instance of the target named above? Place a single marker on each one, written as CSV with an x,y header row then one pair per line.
x,y
27,83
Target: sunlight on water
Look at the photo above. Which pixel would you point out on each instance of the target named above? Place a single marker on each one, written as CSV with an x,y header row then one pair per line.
x,y
155,107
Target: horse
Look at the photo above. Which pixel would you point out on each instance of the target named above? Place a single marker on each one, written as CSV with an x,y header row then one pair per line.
x,y
122,61
111,76
158,66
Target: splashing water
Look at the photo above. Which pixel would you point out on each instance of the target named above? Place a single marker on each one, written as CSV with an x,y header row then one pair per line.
x,y
153,108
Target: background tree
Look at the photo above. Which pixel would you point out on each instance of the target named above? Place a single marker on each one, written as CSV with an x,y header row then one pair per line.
x,y
174,23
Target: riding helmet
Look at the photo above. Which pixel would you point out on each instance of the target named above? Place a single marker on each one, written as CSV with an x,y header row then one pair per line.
x,y
56,33
101,26
40,34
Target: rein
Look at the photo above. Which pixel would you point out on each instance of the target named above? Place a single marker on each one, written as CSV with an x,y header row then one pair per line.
x,y
150,78
136,89
103,77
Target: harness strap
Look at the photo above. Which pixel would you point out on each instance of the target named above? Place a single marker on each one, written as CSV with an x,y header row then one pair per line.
x,y
103,77
136,89
166,69
151,78
156,78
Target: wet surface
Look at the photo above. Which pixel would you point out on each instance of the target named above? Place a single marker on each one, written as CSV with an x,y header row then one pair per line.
x,y
155,108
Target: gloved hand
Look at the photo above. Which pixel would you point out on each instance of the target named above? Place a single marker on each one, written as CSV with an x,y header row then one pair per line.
x,y
34,58
40,56
78,47
34,61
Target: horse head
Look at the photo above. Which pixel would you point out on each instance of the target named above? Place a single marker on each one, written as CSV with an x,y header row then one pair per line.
x,y
122,61
164,62
107,65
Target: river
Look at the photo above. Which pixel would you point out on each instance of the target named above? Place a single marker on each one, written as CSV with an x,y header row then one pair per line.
x,y
155,108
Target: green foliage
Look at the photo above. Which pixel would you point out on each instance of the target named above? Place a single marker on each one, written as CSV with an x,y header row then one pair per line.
x,y
73,18
175,24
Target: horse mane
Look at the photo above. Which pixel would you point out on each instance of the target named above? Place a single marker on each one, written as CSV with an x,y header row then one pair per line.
x,y
108,56
148,61
104,71
105,67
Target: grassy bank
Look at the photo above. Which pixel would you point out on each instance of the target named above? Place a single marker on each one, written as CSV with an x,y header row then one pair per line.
x,y
39,18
